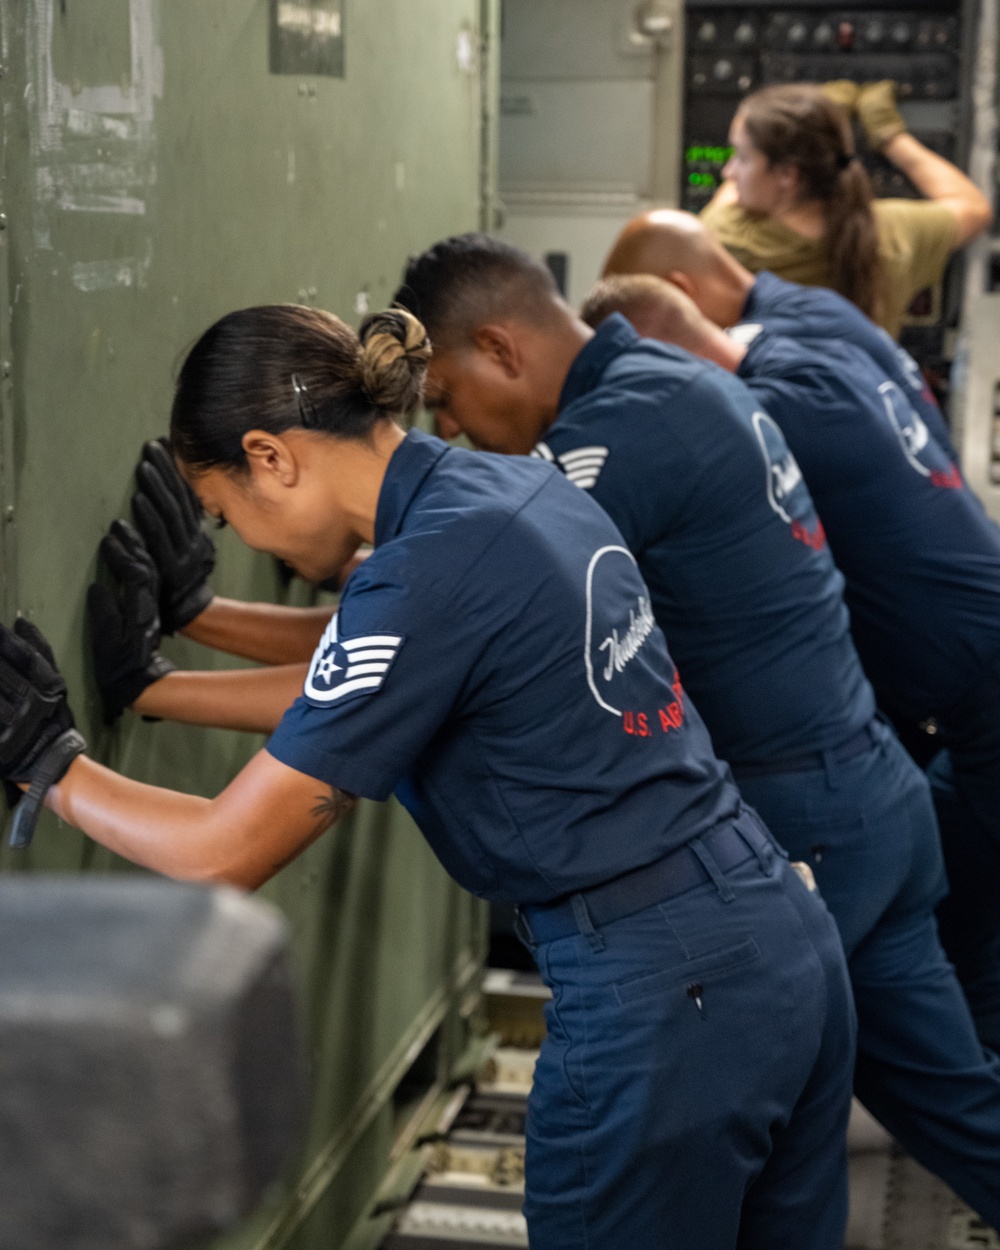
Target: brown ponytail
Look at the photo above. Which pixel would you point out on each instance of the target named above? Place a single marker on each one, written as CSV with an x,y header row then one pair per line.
x,y
798,125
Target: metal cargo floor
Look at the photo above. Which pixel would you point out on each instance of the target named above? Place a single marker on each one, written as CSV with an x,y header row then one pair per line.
x,y
895,1204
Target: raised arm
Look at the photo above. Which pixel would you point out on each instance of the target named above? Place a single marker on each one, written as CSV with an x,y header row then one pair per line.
x,y
265,817
934,177
941,181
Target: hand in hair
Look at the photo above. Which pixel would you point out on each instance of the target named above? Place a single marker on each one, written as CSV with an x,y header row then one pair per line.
x,y
844,92
878,114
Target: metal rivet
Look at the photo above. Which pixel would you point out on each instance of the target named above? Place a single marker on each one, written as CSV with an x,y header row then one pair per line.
x,y
5,368
3,221
8,513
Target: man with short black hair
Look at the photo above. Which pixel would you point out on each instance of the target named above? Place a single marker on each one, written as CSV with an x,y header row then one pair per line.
x,y
712,504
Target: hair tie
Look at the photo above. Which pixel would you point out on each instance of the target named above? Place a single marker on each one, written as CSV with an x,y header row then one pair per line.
x,y
845,159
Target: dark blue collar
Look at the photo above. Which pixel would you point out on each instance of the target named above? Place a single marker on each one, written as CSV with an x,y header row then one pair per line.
x,y
415,457
761,283
613,337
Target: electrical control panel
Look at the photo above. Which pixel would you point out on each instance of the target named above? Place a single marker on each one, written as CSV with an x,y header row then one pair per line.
x,y
735,49
732,51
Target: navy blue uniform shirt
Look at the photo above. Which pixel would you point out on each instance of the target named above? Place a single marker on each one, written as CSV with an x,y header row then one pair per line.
x,y
495,662
812,312
702,486
920,555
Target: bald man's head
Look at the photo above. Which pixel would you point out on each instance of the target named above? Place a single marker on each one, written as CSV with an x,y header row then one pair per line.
x,y
660,310
679,248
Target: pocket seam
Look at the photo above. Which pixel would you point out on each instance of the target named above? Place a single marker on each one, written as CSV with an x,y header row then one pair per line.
x,y
716,963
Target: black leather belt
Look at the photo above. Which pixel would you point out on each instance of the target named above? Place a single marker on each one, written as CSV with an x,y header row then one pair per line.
x,y
811,760
728,844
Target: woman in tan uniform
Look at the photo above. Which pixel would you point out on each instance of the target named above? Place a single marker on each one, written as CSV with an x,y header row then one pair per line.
x,y
797,201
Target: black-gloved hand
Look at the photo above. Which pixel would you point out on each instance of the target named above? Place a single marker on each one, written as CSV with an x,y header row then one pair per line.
x,y
38,738
34,637
168,515
125,627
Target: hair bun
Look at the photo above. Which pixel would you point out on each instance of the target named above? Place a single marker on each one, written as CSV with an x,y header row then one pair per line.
x,y
395,350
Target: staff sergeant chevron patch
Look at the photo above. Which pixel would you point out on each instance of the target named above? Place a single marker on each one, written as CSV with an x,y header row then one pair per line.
x,y
582,465
343,668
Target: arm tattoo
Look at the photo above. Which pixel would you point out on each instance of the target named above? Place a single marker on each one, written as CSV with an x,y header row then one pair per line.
x,y
329,808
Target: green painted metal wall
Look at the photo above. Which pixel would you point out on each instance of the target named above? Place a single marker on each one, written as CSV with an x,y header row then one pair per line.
x,y
155,175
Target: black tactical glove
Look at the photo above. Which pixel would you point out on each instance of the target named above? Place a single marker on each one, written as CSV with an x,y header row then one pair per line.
x,y
125,628
38,739
168,515
32,635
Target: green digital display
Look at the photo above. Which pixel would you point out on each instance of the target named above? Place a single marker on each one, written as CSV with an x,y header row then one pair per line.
x,y
715,155
702,180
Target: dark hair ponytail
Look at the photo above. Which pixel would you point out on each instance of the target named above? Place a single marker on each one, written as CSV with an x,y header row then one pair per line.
x,y
799,125
280,366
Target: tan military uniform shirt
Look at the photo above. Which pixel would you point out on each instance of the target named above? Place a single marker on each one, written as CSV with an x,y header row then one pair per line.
x,y
916,238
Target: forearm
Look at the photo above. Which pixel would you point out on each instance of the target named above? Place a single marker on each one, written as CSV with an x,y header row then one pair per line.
x,y
159,829
930,174
941,181
266,816
253,700
265,632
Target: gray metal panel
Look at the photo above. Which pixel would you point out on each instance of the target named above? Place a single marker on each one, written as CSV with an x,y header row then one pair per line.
x,y
566,39
592,134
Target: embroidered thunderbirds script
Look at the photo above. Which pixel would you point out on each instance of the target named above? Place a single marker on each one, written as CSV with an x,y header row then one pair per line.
x,y
617,626
783,472
619,651
582,466
344,667
786,489
911,370
921,451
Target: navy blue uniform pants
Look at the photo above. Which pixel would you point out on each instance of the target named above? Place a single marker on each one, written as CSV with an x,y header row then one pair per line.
x,y
694,1087
965,780
867,829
